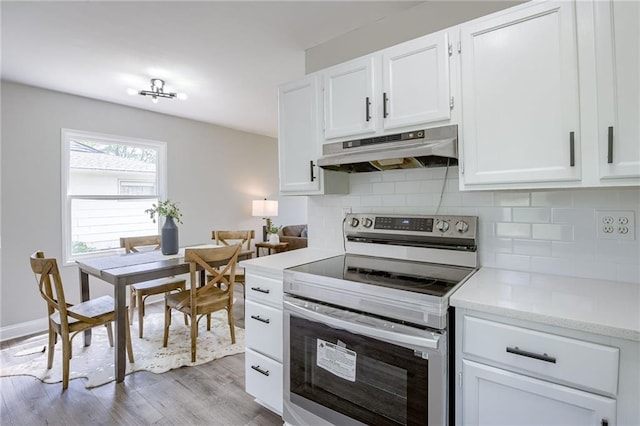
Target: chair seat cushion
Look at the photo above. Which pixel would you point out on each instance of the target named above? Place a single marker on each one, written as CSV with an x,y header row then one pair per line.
x,y
161,285
93,308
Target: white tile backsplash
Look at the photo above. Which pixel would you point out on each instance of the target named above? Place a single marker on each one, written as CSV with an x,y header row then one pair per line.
x,y
547,231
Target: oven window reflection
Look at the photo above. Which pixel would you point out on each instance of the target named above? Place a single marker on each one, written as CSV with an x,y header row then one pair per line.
x,y
389,386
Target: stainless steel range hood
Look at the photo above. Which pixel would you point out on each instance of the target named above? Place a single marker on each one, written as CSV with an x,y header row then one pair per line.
x,y
420,148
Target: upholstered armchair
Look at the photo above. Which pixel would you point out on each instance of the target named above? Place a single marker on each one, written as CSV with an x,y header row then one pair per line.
x,y
295,235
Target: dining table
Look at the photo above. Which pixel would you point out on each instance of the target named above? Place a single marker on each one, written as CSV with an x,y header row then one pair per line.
x,y
122,270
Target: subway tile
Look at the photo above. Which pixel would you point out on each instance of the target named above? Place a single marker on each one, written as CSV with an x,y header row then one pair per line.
x,y
360,178
576,217
627,251
394,176
573,250
516,199
360,188
532,247
513,262
349,201
594,269
371,200
584,233
410,187
487,259
550,265
383,188
486,230
393,200
552,232
513,230
449,199
496,245
629,199
419,199
463,211
433,186
562,198
478,199
531,215
601,198
494,214
629,273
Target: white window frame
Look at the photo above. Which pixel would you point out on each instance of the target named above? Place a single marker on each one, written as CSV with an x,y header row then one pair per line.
x,y
161,181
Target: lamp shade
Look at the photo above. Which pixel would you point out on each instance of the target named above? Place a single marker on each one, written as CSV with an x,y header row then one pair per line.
x,y
264,208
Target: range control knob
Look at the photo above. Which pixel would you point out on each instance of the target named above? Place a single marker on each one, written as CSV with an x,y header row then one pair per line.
x,y
354,222
367,223
462,226
442,225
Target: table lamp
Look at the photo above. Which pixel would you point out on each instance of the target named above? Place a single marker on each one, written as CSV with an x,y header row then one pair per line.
x,y
265,208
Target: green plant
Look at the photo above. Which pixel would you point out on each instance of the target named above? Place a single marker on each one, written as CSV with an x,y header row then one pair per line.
x,y
165,208
273,229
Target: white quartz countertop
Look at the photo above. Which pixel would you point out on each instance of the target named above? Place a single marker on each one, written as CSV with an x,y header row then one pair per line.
x,y
608,308
279,261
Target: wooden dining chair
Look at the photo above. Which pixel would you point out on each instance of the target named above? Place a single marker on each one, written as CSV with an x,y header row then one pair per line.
x,y
216,294
67,320
243,238
140,291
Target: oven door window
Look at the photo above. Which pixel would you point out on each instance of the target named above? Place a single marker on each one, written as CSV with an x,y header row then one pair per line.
x,y
366,379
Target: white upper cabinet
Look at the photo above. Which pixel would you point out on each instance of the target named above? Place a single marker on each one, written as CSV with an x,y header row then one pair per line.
x,y
299,141
415,82
617,37
403,86
520,97
349,99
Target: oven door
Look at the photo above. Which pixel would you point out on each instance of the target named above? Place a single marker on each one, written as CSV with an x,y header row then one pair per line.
x,y
342,367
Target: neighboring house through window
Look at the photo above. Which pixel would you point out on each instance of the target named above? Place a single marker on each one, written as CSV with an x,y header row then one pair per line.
x,y
108,183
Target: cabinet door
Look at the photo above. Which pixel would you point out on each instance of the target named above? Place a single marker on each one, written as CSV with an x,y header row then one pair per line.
x,y
349,99
492,396
298,144
618,55
416,82
520,96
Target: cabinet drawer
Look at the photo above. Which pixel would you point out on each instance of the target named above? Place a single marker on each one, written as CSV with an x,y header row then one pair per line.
x,y
263,326
566,360
264,289
263,380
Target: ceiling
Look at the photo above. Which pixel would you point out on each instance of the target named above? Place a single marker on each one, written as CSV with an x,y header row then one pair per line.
x,y
227,57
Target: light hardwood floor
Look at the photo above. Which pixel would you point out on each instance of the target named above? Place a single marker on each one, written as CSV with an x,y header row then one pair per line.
x,y
207,394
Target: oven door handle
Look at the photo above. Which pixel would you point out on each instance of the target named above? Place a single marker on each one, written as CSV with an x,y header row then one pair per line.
x,y
373,327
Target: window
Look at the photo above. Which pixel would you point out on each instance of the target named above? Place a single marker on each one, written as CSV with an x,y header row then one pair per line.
x,y
108,183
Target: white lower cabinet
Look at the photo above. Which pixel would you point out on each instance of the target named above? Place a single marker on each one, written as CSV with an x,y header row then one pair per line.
x,y
514,372
494,396
263,338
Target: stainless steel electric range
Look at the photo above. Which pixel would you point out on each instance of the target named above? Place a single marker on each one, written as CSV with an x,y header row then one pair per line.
x,y
367,336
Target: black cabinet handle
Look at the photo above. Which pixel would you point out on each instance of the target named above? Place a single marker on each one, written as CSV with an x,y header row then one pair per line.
x,y
385,113
604,422
260,290
260,370
257,317
610,145
543,357
367,105
311,165
572,149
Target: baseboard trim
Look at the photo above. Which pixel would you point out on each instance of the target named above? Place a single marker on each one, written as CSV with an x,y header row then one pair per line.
x,y
23,329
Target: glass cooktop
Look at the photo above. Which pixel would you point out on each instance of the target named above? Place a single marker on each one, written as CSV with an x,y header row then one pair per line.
x,y
418,277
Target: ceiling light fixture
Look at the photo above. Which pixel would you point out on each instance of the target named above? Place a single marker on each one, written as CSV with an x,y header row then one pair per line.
x,y
157,91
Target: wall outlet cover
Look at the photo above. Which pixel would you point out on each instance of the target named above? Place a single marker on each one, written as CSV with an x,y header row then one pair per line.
x,y
615,225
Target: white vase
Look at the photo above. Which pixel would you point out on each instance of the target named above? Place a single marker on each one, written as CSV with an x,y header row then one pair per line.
x,y
274,238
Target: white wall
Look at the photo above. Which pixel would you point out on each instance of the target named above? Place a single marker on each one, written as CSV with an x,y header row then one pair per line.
x,y
214,172
548,231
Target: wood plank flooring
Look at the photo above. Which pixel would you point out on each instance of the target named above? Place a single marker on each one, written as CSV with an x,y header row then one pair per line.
x,y
207,394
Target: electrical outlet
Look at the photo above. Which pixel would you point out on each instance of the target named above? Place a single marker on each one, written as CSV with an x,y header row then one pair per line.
x,y
615,225
346,211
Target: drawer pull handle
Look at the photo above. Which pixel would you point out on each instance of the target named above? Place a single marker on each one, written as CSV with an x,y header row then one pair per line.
x,y
610,145
260,290
260,370
572,149
257,317
543,357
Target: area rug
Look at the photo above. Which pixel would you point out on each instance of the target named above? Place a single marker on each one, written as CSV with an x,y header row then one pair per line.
x,y
96,364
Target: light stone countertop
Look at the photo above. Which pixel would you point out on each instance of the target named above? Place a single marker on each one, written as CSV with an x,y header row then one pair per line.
x,y
275,263
602,307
